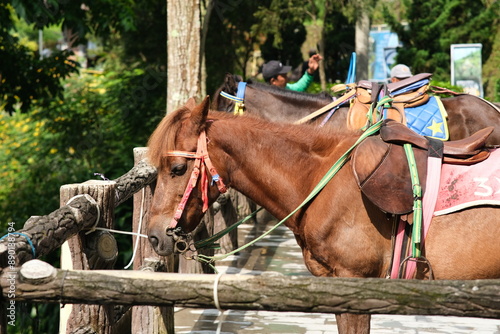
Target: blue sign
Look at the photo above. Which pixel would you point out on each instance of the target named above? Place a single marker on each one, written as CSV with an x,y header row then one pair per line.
x,y
383,53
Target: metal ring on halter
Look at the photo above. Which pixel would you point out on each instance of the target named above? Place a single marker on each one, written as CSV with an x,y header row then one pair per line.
x,y
181,246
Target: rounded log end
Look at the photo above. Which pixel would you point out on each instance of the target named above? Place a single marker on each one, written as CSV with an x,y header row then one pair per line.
x,y
37,272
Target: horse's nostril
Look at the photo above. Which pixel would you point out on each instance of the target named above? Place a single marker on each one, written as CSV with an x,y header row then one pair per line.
x,y
154,241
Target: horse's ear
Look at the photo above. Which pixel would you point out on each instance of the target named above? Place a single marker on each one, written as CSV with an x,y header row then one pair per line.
x,y
199,113
190,104
230,84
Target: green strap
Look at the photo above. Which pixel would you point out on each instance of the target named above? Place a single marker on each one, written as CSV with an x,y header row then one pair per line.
x,y
381,104
417,202
322,183
210,241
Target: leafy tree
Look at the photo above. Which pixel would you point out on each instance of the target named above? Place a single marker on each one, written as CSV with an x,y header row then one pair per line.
x,y
26,80
278,29
427,38
282,24
91,126
230,40
339,45
93,130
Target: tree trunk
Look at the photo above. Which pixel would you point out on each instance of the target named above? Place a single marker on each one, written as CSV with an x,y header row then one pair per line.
x,y
183,52
206,12
362,45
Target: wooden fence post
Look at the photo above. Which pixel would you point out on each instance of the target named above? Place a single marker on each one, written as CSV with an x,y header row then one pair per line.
x,y
148,319
86,251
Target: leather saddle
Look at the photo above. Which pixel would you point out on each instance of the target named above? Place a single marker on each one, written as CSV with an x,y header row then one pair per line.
x,y
381,168
407,93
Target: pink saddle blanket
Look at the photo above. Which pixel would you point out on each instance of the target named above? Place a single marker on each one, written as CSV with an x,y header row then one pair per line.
x,y
467,186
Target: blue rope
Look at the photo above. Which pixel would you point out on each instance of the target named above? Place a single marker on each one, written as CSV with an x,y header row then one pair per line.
x,y
240,93
27,239
351,74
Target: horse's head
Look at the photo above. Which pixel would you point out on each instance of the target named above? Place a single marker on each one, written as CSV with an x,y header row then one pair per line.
x,y
230,86
182,191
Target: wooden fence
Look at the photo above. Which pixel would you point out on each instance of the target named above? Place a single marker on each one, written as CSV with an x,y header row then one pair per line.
x,y
83,208
100,300
40,282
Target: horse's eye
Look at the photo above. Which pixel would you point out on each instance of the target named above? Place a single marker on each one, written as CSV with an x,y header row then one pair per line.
x,y
178,169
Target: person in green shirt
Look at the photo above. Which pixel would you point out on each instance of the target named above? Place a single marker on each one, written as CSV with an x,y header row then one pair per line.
x,y
276,74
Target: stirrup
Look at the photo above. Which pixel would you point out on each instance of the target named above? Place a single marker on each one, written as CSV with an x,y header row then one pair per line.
x,y
421,259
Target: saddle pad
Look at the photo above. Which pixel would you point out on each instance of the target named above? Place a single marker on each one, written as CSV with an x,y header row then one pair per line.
x,y
428,119
382,173
464,186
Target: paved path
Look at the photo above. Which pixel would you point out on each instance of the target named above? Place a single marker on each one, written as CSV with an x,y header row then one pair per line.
x,y
279,252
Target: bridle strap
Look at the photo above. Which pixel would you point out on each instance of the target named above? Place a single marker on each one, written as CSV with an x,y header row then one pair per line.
x,y
202,162
239,105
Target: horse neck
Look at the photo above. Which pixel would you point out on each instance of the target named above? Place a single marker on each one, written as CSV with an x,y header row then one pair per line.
x,y
272,166
276,106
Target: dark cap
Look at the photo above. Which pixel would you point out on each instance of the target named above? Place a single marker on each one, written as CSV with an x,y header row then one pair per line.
x,y
273,68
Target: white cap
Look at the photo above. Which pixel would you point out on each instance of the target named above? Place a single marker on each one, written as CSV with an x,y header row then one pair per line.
x,y
401,71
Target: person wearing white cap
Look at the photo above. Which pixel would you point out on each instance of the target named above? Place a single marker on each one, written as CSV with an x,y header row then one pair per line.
x,y
400,72
276,74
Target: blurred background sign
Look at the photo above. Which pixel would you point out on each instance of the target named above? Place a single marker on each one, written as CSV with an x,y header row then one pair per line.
x,y
382,52
466,67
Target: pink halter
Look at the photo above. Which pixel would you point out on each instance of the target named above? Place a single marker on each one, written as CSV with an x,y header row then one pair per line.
x,y
201,155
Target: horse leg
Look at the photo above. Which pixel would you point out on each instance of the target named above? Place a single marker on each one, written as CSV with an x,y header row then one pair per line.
x,y
353,323
346,323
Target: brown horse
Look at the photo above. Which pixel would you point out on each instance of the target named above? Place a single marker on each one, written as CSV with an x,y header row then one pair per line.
x,y
467,114
341,233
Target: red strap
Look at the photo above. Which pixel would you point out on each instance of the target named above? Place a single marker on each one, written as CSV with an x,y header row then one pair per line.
x,y
200,156
202,142
189,188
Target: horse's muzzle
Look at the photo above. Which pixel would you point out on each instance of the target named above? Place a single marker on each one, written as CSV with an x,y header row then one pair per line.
x,y
162,244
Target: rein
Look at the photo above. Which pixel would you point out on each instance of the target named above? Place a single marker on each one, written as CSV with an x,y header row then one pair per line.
x,y
201,163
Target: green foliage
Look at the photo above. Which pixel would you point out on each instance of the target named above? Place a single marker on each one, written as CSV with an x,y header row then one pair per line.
x,y
26,80
339,45
102,117
230,40
427,38
101,18
282,24
315,88
147,41
90,124
94,129
497,91
436,85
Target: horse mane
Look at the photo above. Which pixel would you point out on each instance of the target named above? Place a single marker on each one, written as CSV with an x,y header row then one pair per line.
x,y
163,137
310,136
314,138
